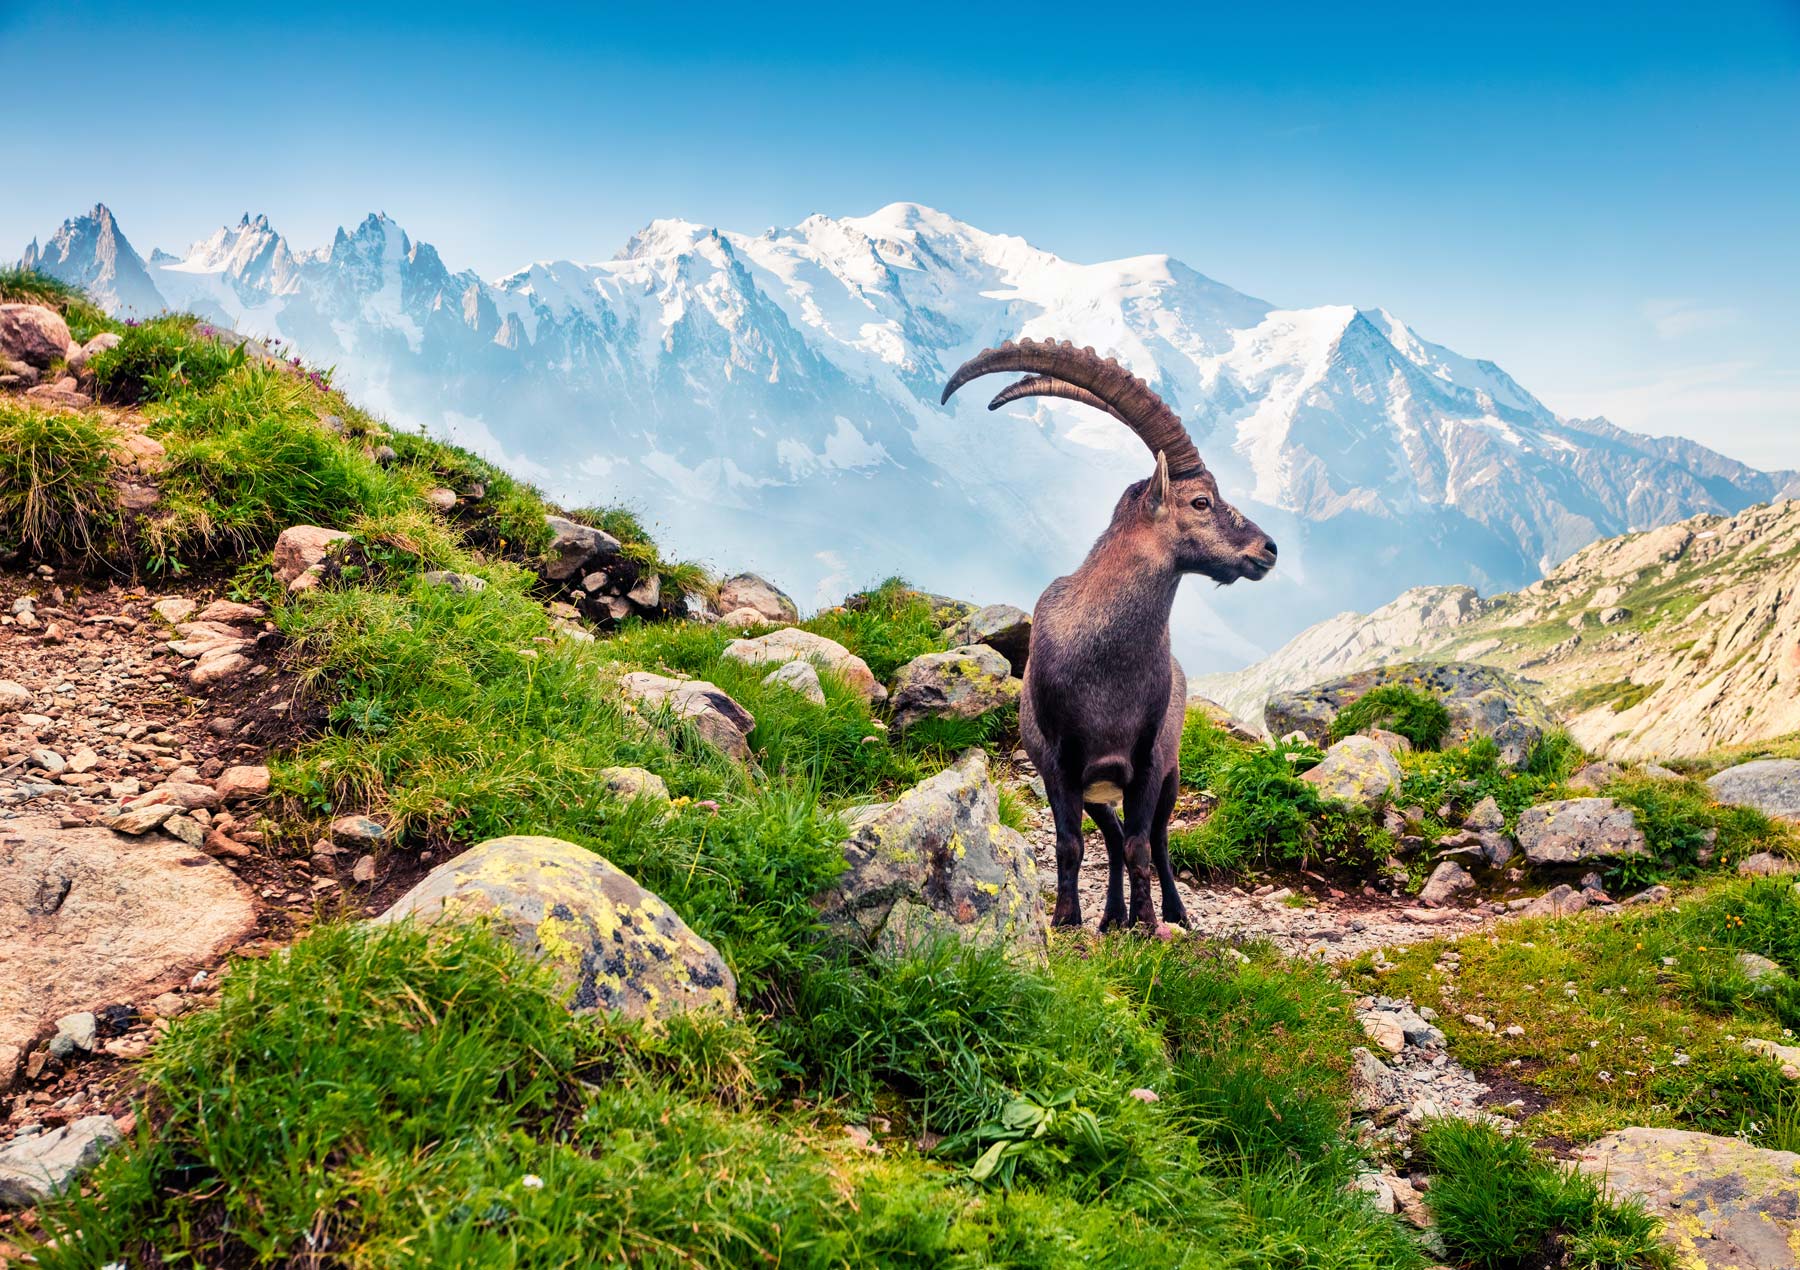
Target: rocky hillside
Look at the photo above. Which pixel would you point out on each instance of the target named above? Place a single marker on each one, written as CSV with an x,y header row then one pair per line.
x,y
779,391
1668,643
398,868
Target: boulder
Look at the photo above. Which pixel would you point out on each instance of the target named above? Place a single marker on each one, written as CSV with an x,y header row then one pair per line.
x,y
1766,864
748,591
1770,785
743,618
790,642
1446,882
614,945
962,683
719,719
628,783
800,677
44,1165
32,334
88,916
1723,1202
938,860
1558,901
1577,830
1002,627
1224,720
1485,816
1482,701
300,553
1358,770
1596,776
576,549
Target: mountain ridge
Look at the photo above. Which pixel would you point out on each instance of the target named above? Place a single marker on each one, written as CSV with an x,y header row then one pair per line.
x,y
707,375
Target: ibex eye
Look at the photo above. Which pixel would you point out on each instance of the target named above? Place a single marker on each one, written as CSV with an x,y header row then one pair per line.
x,y
1203,503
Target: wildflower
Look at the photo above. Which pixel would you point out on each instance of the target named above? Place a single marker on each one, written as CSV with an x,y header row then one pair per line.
x,y
530,654
709,804
532,1182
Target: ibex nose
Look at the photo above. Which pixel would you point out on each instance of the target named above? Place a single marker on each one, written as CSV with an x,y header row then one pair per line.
x,y
1268,546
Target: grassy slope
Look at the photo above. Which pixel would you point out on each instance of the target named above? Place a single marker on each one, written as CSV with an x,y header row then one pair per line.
x,y
394,1101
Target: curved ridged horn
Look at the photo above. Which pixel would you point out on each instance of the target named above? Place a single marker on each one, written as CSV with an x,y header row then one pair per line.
x,y
1127,397
1050,386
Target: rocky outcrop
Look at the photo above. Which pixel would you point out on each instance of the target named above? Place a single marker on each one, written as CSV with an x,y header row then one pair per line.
x,y
1358,770
962,683
719,719
749,591
791,643
1482,702
1224,720
1577,830
1725,1205
938,861
1699,652
614,945
88,916
1002,627
576,549
1770,785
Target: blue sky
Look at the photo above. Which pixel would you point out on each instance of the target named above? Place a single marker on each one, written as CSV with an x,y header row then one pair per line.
x,y
1606,204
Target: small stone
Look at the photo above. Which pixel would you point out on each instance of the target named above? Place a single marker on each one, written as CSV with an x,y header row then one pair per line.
x,y
185,828
47,760
357,830
364,869
42,1166
140,820
78,1029
1766,864
800,677
13,696
235,784
440,498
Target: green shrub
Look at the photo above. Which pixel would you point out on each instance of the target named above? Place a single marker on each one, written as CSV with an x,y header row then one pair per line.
x,y
890,626
56,482
1499,1205
1680,820
1265,811
1420,717
163,358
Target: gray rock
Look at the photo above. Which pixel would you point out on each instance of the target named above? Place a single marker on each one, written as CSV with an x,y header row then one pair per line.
x,y
459,582
1224,720
1577,830
44,1165
575,549
357,831
1786,1056
1770,785
13,696
300,552
1766,864
962,683
1725,1205
1485,816
1596,776
1758,968
1002,627
719,719
749,591
938,860
77,1031
647,592
1358,770
800,677
32,334
1482,701
634,782
615,946
1558,901
1446,882
141,819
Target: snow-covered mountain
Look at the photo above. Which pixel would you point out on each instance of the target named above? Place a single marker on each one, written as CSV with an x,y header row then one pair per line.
x,y
771,402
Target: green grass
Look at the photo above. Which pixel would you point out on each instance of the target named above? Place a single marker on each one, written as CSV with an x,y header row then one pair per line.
x,y
1628,1018
162,358
1621,695
677,577
1681,821
1420,717
56,492
890,626
1499,1205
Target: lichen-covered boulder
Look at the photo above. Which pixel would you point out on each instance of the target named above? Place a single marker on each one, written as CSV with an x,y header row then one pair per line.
x,y
1004,628
614,944
1770,785
1358,770
629,783
962,683
1482,701
1724,1204
938,860
1576,830
719,719
1223,719
791,643
749,591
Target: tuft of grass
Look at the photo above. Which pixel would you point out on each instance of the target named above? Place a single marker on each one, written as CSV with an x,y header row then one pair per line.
x,y
677,578
163,358
1420,717
56,488
1681,821
1500,1205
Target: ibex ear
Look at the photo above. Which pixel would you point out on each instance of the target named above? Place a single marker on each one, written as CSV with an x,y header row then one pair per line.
x,y
1156,498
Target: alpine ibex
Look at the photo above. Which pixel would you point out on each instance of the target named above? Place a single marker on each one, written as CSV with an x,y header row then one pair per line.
x,y
1104,700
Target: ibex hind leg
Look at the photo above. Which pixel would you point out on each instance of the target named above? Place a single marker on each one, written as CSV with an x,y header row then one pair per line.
x,y
1107,819
1173,910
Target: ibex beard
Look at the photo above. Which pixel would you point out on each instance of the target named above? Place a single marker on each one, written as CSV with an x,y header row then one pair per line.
x,y
1104,699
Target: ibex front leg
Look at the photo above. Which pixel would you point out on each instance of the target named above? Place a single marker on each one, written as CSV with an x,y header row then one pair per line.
x,y
1140,813
1065,807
